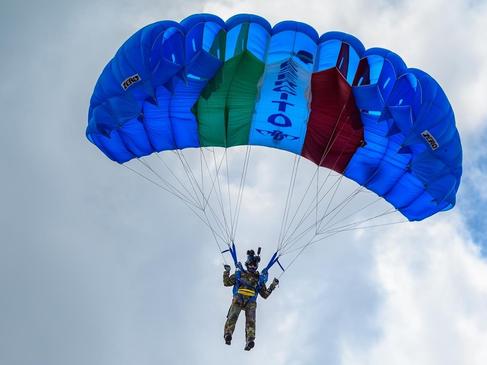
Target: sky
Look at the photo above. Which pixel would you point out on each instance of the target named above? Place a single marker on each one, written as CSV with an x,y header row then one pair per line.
x,y
99,267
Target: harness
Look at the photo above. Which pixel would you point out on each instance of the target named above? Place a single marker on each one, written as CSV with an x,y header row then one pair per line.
x,y
244,289
248,292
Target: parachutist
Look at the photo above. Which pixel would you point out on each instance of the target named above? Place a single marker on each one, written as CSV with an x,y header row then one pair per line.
x,y
247,285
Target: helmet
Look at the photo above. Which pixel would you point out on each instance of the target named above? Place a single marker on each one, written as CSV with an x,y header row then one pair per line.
x,y
252,260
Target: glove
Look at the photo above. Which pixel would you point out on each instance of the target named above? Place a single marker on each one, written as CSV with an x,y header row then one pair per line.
x,y
274,283
227,268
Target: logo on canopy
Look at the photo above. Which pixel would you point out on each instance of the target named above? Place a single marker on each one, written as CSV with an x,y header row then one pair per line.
x,y
129,81
277,135
430,139
284,86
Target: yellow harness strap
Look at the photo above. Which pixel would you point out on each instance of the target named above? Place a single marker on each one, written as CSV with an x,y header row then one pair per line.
x,y
246,292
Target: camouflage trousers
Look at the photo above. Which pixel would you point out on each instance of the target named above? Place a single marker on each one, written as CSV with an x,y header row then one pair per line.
x,y
233,313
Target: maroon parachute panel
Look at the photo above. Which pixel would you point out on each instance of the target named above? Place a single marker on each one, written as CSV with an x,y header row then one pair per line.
x,y
335,130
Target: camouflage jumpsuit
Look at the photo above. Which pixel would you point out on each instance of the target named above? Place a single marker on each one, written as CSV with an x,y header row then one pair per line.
x,y
241,302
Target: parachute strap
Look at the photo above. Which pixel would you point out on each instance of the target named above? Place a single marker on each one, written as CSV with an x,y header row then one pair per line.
x,y
233,251
274,259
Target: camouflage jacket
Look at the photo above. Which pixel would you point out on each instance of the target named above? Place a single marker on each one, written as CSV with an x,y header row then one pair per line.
x,y
248,280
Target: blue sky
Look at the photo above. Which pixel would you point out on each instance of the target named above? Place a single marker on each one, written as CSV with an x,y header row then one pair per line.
x,y
93,270
473,191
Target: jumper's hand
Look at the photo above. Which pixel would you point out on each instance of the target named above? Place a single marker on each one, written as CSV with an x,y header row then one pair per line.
x,y
274,283
227,268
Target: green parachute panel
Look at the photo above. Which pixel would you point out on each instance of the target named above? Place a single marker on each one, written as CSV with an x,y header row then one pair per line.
x,y
225,108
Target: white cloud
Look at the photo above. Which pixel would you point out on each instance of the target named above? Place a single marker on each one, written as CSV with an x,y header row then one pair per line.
x,y
435,297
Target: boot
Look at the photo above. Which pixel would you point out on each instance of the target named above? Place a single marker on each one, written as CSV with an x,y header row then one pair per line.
x,y
228,338
250,344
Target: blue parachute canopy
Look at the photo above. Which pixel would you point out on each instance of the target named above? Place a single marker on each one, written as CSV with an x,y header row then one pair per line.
x,y
204,82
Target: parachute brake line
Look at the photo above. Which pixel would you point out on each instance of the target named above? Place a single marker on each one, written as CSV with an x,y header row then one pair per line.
x,y
274,259
233,251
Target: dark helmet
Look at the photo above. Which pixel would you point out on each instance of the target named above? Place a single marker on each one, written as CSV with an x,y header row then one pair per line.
x,y
253,260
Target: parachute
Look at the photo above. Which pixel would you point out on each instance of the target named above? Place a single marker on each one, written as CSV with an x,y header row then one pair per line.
x,y
209,86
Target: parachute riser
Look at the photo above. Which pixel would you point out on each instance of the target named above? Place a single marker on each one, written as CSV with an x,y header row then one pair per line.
x,y
233,251
265,272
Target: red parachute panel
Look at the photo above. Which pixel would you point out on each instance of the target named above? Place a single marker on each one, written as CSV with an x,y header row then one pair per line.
x,y
334,130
